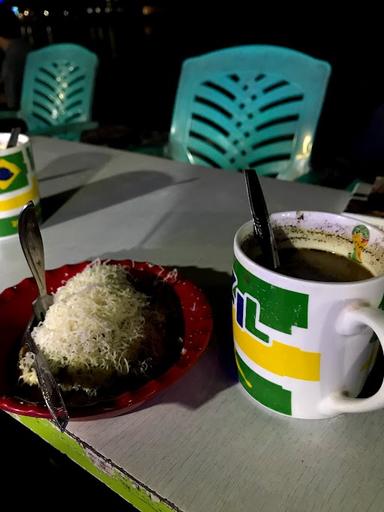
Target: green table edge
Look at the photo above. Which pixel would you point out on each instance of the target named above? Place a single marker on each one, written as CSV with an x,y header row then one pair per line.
x,y
104,470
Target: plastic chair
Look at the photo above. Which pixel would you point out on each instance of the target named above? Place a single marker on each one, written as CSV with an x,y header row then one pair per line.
x,y
57,92
249,107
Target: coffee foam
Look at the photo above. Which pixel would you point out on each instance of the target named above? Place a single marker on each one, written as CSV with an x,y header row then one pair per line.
x,y
329,238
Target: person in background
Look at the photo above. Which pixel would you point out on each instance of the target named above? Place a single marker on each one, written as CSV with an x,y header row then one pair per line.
x,y
14,49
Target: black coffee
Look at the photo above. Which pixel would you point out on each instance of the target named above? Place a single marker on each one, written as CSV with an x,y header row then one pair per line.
x,y
313,264
316,265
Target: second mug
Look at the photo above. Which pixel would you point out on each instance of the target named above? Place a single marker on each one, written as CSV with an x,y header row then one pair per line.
x,y
18,182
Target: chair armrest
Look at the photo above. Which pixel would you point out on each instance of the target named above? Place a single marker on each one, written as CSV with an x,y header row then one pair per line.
x,y
154,143
66,129
153,150
10,114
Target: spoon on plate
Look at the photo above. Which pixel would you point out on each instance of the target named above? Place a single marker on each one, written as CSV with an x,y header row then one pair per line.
x,y
32,245
261,221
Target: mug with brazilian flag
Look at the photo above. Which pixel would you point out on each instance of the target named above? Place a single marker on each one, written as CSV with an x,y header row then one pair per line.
x,y
305,346
18,183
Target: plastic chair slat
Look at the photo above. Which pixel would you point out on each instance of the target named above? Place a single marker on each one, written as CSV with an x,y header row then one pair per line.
x,y
236,98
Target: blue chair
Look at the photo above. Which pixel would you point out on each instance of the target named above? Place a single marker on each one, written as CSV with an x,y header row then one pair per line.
x,y
249,107
57,91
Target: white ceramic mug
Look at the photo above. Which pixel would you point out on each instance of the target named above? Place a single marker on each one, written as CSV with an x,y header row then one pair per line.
x,y
305,348
18,183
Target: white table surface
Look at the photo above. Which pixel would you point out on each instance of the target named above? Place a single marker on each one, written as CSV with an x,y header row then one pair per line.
x,y
201,445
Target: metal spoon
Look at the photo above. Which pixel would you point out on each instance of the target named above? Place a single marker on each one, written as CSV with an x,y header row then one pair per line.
x,y
32,245
33,249
12,141
261,222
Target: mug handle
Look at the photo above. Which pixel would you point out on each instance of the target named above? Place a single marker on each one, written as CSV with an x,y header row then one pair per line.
x,y
351,321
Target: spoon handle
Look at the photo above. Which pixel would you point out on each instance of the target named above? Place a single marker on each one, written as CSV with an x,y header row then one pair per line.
x,y
33,249
32,245
261,223
12,142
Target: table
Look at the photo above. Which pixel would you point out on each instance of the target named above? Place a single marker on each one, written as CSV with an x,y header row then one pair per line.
x,y
201,445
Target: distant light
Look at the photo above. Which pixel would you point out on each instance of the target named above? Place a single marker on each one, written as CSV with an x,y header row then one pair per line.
x,y
89,10
15,10
26,12
108,9
66,13
46,13
150,9
98,10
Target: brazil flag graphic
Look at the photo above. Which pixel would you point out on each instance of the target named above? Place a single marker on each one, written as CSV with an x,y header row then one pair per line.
x,y
13,173
16,189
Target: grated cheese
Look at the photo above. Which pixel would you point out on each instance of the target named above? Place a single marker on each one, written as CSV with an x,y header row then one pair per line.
x,y
94,329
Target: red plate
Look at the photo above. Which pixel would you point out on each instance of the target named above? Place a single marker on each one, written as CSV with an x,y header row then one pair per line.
x,y
15,311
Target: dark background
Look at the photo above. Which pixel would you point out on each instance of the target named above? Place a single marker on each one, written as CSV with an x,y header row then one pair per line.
x,y
141,45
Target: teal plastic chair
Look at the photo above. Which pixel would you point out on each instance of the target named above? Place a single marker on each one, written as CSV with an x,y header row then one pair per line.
x,y
249,107
57,91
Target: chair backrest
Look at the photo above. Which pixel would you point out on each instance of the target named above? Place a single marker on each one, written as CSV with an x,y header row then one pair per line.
x,y
58,86
249,107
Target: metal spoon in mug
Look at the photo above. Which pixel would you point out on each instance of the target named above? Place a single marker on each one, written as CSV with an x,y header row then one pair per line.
x,y
261,222
32,245
12,141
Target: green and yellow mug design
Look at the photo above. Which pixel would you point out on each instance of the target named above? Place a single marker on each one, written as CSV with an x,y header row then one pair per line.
x,y
18,183
302,348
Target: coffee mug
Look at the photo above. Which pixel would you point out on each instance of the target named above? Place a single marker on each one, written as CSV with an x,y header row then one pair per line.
x,y
18,183
305,347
